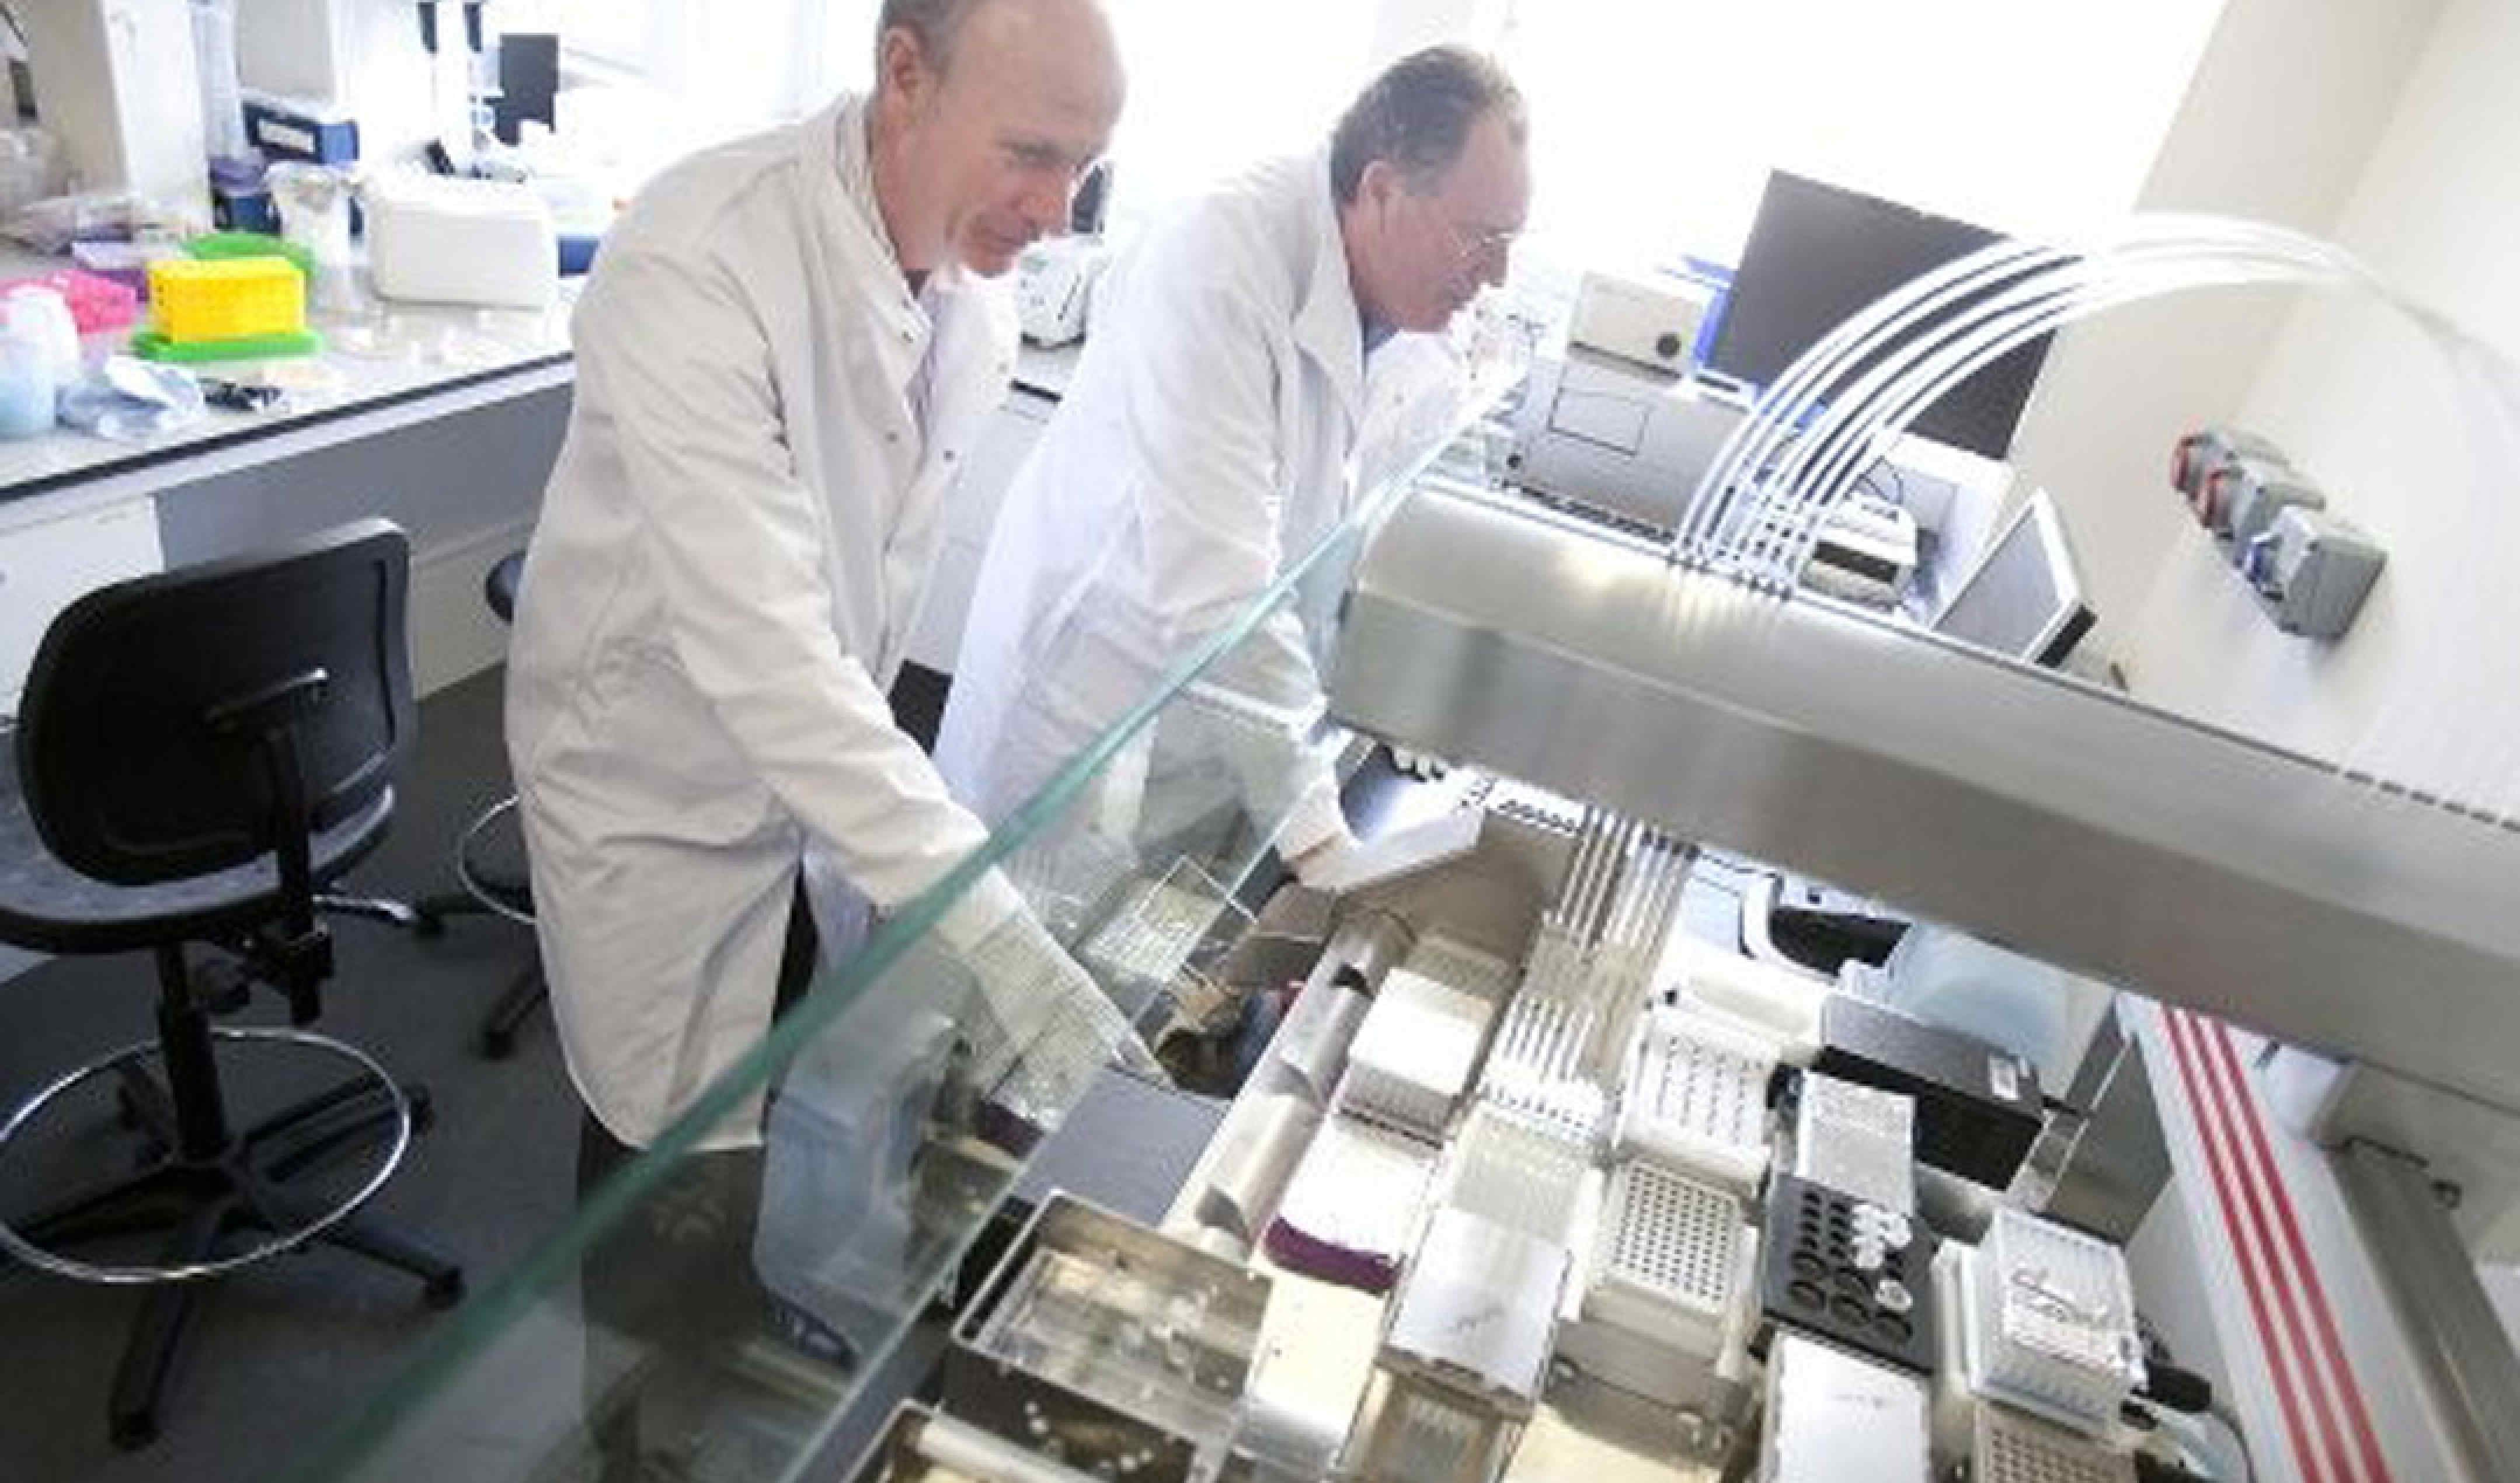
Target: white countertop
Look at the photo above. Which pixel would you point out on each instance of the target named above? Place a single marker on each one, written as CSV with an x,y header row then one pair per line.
x,y
400,363
402,356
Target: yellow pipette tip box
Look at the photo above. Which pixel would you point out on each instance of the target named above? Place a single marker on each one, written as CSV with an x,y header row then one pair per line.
x,y
225,299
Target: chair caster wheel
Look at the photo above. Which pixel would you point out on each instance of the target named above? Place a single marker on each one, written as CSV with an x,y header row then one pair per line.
x,y
134,1430
443,1292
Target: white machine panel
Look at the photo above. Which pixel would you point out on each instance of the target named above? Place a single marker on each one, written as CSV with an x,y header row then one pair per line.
x,y
1832,1417
1476,1311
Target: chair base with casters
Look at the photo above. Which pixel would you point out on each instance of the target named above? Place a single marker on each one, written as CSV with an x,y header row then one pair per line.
x,y
198,754
486,893
200,1183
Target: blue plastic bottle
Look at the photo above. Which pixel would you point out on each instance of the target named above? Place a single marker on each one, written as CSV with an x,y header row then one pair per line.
x,y
26,390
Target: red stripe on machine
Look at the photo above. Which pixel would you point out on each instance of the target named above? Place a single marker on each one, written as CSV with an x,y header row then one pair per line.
x,y
2256,1214
2331,1347
2278,1356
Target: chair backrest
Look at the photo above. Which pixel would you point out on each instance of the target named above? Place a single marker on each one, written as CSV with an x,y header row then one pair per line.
x,y
126,776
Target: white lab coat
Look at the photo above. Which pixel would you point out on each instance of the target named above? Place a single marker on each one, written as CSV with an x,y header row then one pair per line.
x,y
730,557
1208,439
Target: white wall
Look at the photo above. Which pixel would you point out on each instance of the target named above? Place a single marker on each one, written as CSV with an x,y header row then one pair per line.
x,y
2423,690
2281,116
1401,27
288,46
360,55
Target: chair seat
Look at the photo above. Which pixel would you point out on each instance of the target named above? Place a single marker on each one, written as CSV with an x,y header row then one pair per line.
x,y
47,906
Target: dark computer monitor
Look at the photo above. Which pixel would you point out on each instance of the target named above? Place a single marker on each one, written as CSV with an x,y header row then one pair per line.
x,y
2025,597
1819,253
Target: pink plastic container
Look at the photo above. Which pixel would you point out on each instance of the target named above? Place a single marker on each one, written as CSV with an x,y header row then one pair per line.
x,y
97,304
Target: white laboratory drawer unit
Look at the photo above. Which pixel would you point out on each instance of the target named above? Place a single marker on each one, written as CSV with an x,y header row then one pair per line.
x,y
51,560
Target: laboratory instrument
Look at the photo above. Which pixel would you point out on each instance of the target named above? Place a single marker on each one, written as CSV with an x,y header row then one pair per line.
x,y
116,83
1558,1302
2197,456
1055,288
1866,551
2314,569
485,243
2025,598
1650,319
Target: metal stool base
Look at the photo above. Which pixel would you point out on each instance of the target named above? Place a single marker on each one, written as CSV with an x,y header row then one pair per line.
x,y
482,897
201,1205
524,995
253,1169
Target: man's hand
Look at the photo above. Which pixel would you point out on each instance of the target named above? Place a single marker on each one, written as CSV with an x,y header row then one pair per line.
x,y
1045,1027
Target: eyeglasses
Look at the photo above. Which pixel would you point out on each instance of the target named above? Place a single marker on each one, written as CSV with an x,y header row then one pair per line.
x,y
1483,246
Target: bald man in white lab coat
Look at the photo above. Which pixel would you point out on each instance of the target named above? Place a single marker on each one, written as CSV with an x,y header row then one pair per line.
x,y
786,349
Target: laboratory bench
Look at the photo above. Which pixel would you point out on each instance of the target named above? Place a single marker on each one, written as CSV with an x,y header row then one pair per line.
x,y
445,420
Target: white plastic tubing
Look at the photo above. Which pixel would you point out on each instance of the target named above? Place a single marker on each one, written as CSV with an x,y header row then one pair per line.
x,y
1816,431
1838,408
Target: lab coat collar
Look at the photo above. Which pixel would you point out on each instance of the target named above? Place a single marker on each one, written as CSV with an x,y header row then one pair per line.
x,y
1328,327
836,153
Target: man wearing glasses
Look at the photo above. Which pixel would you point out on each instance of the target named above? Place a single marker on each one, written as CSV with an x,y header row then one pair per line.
x,y
1211,436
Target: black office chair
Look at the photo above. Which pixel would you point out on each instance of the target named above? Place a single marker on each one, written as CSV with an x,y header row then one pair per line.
x,y
486,889
197,753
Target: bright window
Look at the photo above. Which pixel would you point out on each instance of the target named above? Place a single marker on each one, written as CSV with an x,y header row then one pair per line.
x,y
1215,87
1211,87
1655,122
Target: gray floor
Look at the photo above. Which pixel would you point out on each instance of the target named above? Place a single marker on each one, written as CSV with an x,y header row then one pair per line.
x,y
276,1352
